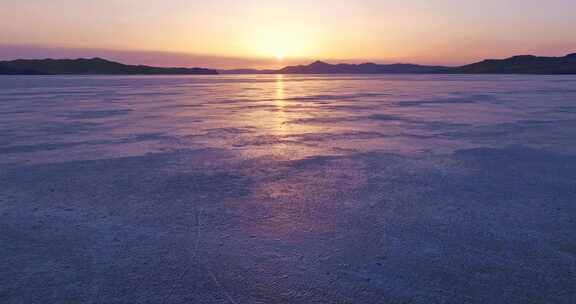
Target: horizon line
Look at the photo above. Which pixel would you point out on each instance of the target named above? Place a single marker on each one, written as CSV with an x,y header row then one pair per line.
x,y
310,61
214,61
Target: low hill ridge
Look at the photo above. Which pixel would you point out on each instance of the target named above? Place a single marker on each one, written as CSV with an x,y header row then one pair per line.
x,y
522,64
90,66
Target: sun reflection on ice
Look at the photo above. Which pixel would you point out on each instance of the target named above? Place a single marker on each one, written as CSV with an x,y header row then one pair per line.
x,y
280,104
280,89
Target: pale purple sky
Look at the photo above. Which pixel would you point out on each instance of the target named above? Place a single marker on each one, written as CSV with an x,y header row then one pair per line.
x,y
255,33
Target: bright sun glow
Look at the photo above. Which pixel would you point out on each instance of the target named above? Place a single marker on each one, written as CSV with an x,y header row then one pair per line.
x,y
280,42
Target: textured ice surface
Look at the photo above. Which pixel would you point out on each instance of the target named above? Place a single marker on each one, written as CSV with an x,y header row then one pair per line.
x,y
288,189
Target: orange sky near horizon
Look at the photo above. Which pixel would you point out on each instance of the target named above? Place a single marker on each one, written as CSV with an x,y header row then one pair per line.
x,y
420,31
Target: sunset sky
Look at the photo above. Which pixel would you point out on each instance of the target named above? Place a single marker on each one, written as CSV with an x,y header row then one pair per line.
x,y
258,33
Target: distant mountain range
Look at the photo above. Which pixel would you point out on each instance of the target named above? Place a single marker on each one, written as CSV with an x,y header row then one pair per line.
x,y
94,66
525,64
320,67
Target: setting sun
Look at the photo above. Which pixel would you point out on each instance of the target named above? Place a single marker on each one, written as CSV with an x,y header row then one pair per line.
x,y
280,56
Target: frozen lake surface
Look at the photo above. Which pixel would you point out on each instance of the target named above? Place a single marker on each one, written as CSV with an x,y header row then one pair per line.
x,y
288,189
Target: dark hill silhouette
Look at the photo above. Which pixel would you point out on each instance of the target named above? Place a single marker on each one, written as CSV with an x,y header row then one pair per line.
x,y
5,70
523,64
92,66
320,67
